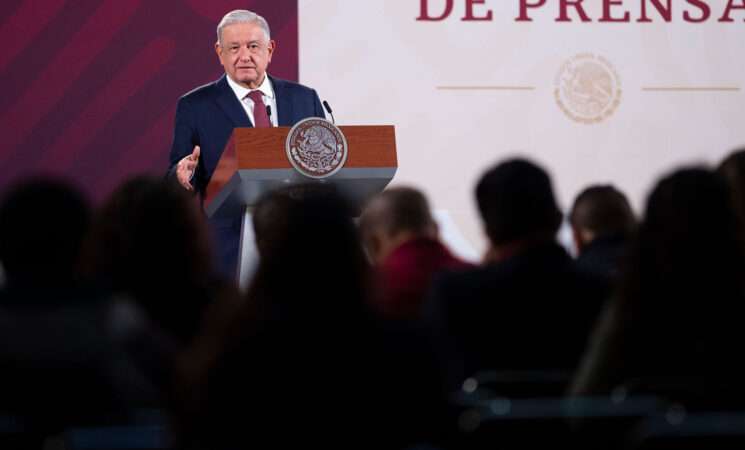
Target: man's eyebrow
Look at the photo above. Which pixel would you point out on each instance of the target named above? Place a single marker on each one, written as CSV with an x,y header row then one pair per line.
x,y
238,43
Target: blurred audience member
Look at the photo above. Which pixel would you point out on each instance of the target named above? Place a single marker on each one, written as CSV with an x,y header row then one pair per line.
x,y
677,315
150,242
529,307
601,221
42,226
66,351
402,239
300,359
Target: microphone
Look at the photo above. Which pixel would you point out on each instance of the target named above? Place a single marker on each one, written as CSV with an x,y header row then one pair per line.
x,y
269,113
328,109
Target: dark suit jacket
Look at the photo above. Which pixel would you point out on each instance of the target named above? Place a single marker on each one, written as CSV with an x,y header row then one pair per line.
x,y
207,115
603,255
532,311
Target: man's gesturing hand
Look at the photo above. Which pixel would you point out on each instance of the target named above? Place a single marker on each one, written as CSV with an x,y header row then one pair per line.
x,y
185,169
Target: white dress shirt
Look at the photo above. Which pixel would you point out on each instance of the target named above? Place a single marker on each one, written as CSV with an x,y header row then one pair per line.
x,y
267,95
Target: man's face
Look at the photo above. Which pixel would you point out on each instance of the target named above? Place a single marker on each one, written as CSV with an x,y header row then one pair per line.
x,y
244,53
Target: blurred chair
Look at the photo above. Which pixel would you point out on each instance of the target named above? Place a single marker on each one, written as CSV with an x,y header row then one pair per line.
x,y
118,430
697,394
518,423
677,429
132,437
519,383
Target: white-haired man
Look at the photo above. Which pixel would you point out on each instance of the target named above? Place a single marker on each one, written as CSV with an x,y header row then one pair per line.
x,y
206,116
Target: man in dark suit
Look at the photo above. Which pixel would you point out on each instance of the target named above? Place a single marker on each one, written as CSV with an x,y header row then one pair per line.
x,y
206,116
528,307
602,222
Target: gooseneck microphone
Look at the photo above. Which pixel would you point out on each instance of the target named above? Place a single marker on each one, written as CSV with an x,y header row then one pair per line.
x,y
328,109
269,113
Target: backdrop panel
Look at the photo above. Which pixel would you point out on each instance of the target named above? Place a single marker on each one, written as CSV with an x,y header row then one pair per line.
x,y
610,91
90,86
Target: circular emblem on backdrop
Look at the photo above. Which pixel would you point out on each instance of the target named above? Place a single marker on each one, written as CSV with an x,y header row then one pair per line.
x,y
587,88
316,147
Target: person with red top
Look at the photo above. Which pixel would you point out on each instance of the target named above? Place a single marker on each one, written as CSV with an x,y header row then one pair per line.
x,y
402,240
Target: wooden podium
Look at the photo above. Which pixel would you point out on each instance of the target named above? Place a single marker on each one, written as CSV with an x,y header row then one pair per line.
x,y
255,161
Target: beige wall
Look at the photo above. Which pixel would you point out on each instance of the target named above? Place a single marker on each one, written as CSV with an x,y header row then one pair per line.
x,y
376,64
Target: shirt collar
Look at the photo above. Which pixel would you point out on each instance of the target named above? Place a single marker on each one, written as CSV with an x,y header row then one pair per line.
x,y
241,91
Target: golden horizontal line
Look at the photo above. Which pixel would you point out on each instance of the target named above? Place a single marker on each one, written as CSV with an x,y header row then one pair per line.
x,y
691,89
486,88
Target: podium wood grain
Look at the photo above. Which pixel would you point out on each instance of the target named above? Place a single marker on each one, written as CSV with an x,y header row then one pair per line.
x,y
264,148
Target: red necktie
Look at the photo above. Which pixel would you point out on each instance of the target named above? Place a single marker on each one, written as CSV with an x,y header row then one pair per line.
x,y
261,118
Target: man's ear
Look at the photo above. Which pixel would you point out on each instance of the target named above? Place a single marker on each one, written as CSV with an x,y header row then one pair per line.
x,y
489,235
582,237
218,50
577,239
434,229
374,246
270,48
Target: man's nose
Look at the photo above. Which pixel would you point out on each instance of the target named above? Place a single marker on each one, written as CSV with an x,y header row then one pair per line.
x,y
244,54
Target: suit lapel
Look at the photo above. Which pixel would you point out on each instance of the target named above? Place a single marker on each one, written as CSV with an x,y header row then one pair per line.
x,y
284,103
229,103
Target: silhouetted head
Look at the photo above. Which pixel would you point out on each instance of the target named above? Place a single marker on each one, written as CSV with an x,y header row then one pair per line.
x,y
394,217
689,213
687,253
151,228
42,226
310,255
516,201
150,240
600,210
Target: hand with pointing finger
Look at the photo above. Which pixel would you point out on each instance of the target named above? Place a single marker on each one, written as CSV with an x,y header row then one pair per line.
x,y
185,169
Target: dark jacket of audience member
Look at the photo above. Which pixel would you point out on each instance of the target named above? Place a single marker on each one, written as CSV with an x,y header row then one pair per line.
x,y
675,325
402,238
528,307
602,222
300,361
150,242
68,352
